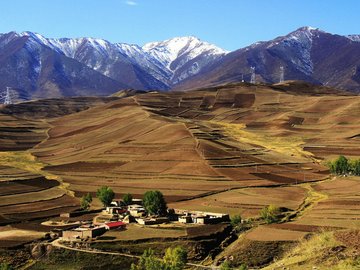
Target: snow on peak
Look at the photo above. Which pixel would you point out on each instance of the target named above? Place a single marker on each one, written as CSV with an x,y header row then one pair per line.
x,y
355,38
169,50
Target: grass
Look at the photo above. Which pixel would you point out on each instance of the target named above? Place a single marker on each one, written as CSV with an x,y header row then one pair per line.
x,y
313,253
25,161
289,145
136,232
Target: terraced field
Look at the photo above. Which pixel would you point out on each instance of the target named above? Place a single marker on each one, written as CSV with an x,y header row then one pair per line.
x,y
26,191
234,148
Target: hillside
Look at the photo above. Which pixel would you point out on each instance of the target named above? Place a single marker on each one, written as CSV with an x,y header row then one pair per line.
x,y
232,149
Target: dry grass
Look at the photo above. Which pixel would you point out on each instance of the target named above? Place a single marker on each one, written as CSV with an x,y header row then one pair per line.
x,y
136,232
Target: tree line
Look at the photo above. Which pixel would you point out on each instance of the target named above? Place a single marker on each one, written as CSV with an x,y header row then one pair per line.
x,y
344,166
153,200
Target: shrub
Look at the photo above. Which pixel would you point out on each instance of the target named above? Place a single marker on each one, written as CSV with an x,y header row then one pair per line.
x,y
105,195
270,214
235,220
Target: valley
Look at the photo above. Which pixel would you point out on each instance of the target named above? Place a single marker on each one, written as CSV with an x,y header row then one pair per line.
x,y
234,148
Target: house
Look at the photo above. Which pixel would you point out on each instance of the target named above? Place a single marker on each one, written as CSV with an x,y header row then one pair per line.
x,y
115,225
152,221
83,233
112,210
185,219
136,210
200,217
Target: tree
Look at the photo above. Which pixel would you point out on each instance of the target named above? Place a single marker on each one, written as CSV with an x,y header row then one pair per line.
x,y
105,195
355,166
175,258
86,201
127,198
154,202
270,214
340,166
148,262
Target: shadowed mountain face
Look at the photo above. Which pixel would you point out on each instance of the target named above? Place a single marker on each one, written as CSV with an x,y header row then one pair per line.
x,y
34,71
306,54
38,67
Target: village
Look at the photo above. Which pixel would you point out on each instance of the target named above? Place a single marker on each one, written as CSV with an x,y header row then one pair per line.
x,y
119,216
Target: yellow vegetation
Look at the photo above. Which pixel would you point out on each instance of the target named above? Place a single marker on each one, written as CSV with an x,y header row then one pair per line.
x,y
312,254
289,145
25,161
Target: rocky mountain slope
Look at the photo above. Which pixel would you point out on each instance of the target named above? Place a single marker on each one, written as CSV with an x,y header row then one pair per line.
x,y
36,67
307,54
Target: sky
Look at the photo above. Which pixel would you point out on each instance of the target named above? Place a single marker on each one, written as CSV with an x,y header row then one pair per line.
x,y
229,24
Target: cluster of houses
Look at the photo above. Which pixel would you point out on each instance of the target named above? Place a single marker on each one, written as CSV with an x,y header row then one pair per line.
x,y
117,215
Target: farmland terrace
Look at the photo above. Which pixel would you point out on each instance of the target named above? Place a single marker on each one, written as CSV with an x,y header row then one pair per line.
x,y
233,148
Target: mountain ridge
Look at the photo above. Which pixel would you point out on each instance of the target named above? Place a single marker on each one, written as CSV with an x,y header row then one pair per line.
x,y
92,66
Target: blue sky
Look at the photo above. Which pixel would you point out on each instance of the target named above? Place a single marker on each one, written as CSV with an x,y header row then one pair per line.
x,y
230,24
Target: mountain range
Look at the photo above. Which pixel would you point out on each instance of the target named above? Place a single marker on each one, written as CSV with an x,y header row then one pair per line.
x,y
38,67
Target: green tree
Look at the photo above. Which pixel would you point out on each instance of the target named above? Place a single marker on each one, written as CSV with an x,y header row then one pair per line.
x,y
340,166
105,195
355,166
175,258
154,202
86,201
148,261
127,198
270,214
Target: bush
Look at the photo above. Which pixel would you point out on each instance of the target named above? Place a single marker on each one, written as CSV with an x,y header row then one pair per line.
x,y
105,195
127,198
235,220
270,214
154,202
86,201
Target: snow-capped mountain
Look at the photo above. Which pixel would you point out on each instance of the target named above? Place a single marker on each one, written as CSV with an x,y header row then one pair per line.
x,y
354,37
157,65
37,66
308,54
183,57
35,70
